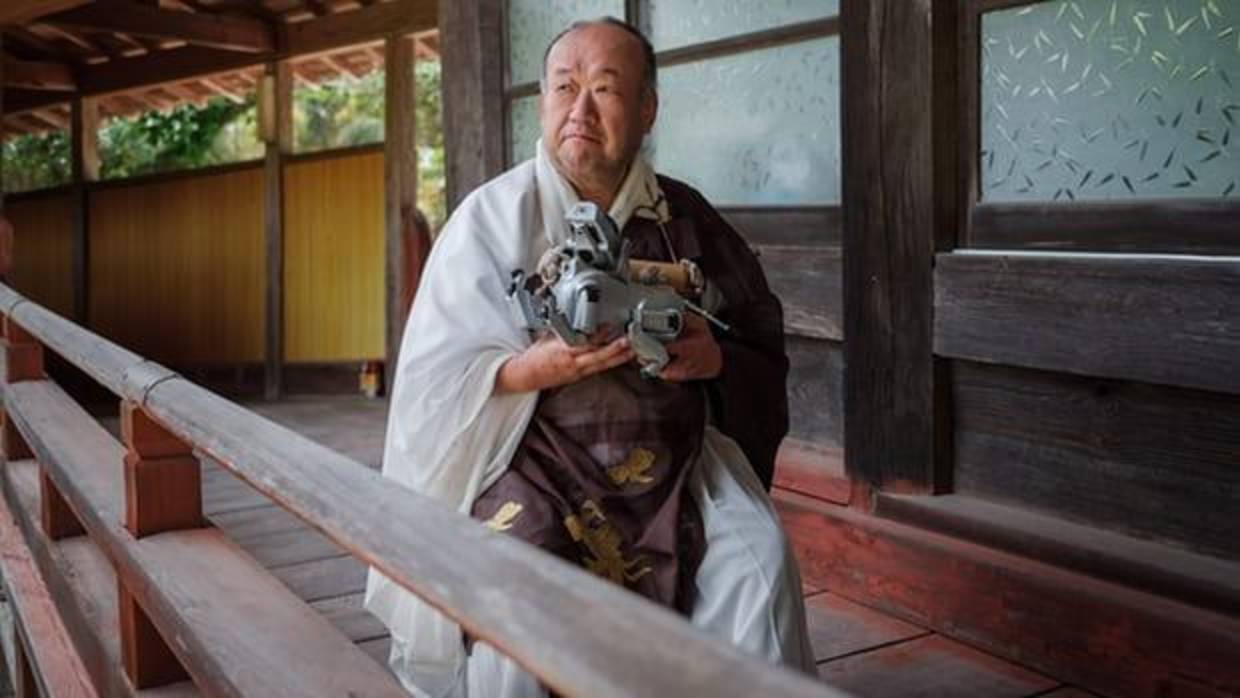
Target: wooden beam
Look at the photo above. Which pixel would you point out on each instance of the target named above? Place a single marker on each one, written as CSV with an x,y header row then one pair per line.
x,y
473,109
38,75
23,11
1154,319
135,19
315,36
891,63
275,94
348,28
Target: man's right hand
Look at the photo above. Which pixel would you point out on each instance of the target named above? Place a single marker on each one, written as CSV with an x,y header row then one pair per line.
x,y
551,362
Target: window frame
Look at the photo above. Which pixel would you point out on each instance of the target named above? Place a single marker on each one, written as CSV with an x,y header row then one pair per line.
x,y
817,225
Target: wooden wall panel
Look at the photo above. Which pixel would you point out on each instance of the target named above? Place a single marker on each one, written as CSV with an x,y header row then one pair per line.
x,y
1150,461
1166,320
177,267
333,259
816,391
809,283
43,250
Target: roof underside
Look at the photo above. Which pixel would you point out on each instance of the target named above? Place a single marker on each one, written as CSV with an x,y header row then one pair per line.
x,y
141,55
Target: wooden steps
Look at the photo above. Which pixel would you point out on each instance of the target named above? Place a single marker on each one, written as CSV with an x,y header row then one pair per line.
x,y
1162,569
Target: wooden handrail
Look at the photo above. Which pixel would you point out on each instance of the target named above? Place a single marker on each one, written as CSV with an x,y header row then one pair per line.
x,y
580,635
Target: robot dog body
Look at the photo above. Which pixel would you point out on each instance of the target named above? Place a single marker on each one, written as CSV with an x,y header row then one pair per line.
x,y
583,287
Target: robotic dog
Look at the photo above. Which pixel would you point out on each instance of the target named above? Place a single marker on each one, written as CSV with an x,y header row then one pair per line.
x,y
589,284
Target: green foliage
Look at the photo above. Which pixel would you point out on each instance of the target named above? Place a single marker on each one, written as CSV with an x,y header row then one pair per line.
x,y
343,114
36,161
187,137
428,110
338,114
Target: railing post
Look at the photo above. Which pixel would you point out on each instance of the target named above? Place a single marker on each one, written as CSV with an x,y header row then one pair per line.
x,y
162,493
23,361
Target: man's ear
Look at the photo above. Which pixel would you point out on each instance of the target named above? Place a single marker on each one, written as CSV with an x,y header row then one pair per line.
x,y
650,109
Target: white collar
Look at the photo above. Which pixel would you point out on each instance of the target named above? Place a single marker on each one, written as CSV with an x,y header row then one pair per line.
x,y
639,195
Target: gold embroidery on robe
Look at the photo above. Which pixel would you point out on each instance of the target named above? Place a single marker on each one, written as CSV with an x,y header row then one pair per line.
x,y
603,542
633,468
502,520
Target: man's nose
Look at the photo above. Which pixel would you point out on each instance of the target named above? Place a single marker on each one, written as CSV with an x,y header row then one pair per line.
x,y
583,107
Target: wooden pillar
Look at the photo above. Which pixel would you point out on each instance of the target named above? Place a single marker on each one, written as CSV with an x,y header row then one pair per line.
x,y
162,493
400,177
85,163
899,170
470,33
276,129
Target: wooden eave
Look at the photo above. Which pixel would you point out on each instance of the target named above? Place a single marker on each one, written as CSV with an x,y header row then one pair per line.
x,y
138,55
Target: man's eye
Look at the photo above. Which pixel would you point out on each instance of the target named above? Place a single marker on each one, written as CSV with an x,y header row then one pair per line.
x,y
564,88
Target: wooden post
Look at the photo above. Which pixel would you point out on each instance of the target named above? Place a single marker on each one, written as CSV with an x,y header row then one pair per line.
x,y
276,94
400,177
148,660
85,161
162,493
473,93
23,361
899,171
162,477
57,519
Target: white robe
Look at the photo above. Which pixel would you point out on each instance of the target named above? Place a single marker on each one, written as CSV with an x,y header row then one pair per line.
x,y
450,437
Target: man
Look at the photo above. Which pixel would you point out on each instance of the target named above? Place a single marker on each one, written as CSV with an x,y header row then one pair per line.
x,y
649,483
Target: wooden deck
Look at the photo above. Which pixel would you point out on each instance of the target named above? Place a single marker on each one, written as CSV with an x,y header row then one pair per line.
x,y
857,649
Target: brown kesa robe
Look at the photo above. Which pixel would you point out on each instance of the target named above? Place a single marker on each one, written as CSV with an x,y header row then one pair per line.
x,y
600,476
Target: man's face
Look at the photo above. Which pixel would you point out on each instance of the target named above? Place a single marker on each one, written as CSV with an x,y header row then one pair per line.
x,y
594,109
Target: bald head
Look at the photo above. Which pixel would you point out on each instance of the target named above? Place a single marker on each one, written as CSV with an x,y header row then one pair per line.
x,y
642,44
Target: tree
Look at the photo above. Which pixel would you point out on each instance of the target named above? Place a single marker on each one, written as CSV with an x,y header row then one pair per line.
x,y
184,138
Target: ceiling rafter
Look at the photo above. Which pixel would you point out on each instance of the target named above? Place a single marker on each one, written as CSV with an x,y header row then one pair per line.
x,y
134,19
37,75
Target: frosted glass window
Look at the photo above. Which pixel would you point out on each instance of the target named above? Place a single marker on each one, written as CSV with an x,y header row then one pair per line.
x,y
761,127
1113,99
524,132
533,23
681,22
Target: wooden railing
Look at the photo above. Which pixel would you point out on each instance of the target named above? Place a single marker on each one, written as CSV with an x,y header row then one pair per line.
x,y
192,602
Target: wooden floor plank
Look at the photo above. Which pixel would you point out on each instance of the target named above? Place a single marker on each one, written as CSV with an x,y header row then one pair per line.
x,y
930,667
246,524
324,579
838,627
291,547
379,649
347,614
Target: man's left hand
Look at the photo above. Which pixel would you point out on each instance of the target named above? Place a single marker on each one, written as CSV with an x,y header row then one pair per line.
x,y
695,353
